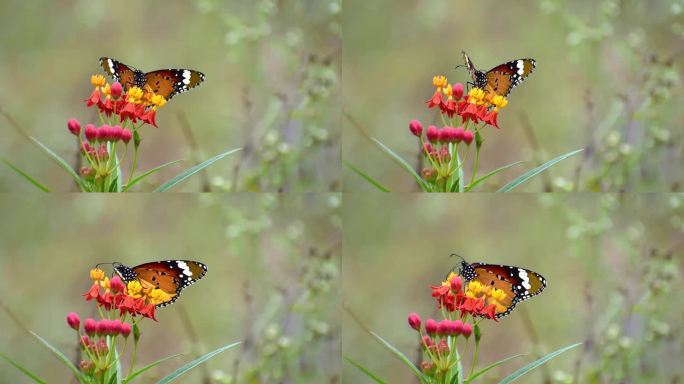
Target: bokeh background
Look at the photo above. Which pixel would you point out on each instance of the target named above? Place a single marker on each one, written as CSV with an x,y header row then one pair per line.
x,y
608,79
272,281
272,86
613,265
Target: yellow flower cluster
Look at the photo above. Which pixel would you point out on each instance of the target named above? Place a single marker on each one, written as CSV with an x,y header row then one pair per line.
x,y
477,290
478,96
154,296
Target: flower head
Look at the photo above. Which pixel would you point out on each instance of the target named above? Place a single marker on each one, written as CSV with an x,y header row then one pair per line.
x,y
97,81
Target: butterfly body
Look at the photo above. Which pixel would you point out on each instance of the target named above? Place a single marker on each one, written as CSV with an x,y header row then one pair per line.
x,y
165,82
517,283
501,79
171,276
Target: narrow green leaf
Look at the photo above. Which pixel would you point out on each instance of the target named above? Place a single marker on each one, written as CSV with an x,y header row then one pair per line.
x,y
534,172
184,175
520,372
401,162
60,356
461,177
148,366
365,370
148,173
26,176
61,162
187,367
490,174
401,357
367,177
22,369
490,366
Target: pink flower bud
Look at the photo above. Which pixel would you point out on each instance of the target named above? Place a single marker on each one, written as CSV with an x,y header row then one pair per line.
x,y
115,327
116,89
430,326
458,134
458,327
443,327
85,341
456,283
85,147
102,327
116,285
416,128
91,132
414,321
432,134
90,326
126,329
115,133
467,329
73,320
468,137
126,135
102,133
444,134
427,341
457,91
427,148
74,127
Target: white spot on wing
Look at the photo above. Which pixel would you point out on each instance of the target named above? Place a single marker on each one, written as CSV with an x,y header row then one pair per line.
x,y
525,279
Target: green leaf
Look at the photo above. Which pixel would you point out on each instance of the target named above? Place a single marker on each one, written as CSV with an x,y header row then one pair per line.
x,y
184,175
403,163
490,366
490,174
60,355
520,372
401,356
148,366
26,176
187,367
365,370
150,172
61,162
21,368
368,178
534,172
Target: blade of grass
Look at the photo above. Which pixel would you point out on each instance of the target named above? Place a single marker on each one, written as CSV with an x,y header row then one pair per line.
x,y
490,174
367,177
490,366
401,357
22,369
365,370
60,356
26,176
184,175
187,367
148,366
150,172
520,372
535,171
401,162
61,162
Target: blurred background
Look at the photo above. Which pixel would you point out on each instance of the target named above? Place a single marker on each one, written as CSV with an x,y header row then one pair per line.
x,y
272,281
272,86
608,79
613,265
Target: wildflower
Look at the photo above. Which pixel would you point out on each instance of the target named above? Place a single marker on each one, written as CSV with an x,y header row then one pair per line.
x,y
490,118
134,289
93,99
158,296
134,95
73,320
416,128
149,117
93,292
157,101
414,321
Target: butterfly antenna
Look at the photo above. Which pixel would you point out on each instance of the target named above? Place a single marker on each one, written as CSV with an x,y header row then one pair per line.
x,y
459,66
457,255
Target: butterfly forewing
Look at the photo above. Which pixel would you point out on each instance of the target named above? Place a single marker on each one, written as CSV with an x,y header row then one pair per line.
x,y
124,74
503,78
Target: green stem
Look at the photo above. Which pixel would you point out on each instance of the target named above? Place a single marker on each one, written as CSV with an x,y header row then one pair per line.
x,y
133,357
133,164
475,163
472,366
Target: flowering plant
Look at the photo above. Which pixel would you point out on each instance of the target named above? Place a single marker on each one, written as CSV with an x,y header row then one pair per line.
x,y
104,342
444,342
105,147
445,150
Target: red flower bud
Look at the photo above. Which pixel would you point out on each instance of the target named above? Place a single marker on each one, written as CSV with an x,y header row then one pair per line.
x,y
457,91
115,327
85,147
467,329
427,148
126,329
102,133
427,341
430,326
458,327
74,127
90,326
73,320
102,327
468,137
126,135
432,133
456,283
91,132
444,134
116,89
414,321
85,341
115,133
116,285
443,327
416,128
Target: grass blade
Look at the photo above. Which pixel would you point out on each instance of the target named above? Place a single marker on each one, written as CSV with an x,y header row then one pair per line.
x,y
150,172
367,177
401,162
184,175
490,366
187,367
148,366
24,370
490,174
61,162
520,372
365,370
401,357
26,176
534,172
60,356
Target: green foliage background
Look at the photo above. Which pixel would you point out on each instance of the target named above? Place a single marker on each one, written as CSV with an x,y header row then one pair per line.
x,y
272,280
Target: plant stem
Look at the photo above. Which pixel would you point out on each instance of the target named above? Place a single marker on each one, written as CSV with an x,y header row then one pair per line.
x,y
475,163
472,366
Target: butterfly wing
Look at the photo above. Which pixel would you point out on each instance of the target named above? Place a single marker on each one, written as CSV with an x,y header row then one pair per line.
x,y
503,78
169,82
171,276
125,74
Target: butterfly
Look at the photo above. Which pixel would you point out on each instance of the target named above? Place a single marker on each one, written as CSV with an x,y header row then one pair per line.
x,y
165,82
518,283
501,79
171,276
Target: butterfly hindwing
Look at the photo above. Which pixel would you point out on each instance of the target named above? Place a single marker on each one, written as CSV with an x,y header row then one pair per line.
x,y
501,79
